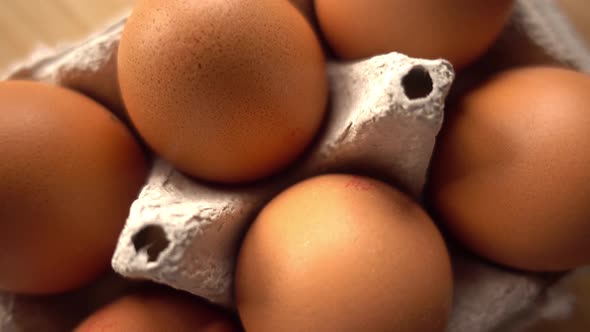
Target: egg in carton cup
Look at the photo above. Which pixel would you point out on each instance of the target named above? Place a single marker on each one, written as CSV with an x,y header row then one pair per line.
x,y
385,113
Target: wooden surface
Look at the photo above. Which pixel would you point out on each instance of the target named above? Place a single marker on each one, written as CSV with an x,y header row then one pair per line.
x,y
24,24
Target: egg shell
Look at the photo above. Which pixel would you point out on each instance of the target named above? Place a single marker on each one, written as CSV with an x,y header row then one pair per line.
x,y
509,176
485,295
89,67
157,311
228,91
202,224
62,312
306,8
457,30
340,252
69,168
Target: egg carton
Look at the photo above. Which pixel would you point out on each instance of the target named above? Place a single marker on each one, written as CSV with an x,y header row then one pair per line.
x,y
385,113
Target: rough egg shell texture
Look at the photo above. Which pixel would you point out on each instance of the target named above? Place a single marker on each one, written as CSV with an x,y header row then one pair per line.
x,y
456,30
343,253
372,123
69,171
510,175
485,295
227,90
158,311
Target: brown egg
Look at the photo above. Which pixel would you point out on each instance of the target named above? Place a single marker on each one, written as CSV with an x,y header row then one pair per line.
x,y
305,7
69,171
159,311
510,176
227,90
343,253
457,30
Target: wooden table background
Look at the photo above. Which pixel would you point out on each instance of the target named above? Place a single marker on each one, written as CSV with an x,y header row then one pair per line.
x,y
24,24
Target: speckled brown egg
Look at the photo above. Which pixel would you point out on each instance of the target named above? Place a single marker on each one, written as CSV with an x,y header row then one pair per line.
x,y
457,30
227,90
510,177
306,8
343,253
69,171
159,311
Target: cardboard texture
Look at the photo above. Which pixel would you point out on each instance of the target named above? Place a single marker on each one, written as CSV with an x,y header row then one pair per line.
x,y
377,124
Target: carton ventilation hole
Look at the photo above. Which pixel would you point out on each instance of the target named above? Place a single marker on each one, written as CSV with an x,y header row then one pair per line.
x,y
417,83
152,240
